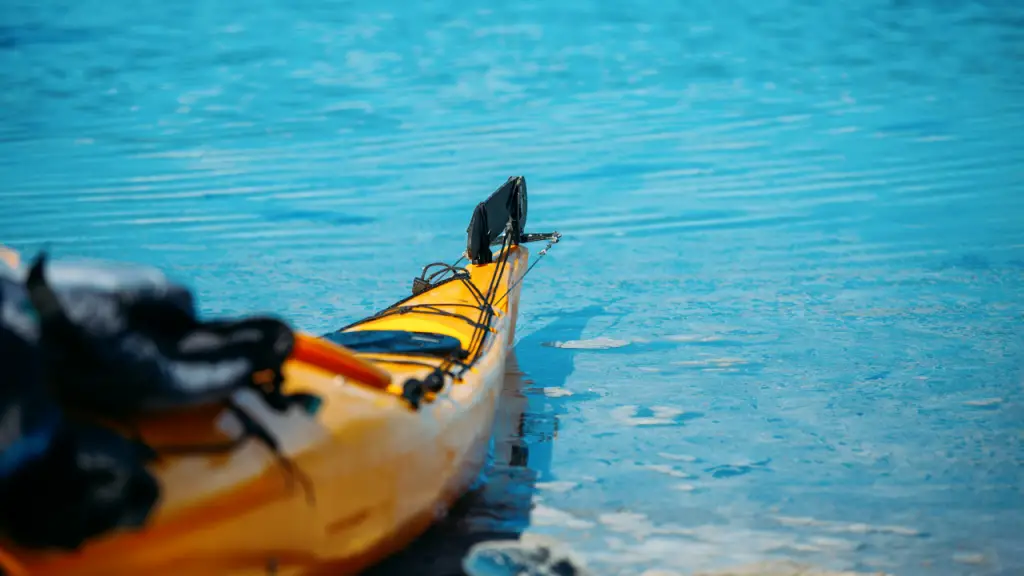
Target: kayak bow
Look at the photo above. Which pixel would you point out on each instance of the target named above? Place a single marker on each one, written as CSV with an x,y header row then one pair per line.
x,y
407,401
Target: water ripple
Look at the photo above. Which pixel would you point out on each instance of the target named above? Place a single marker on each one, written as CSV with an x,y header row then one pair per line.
x,y
785,320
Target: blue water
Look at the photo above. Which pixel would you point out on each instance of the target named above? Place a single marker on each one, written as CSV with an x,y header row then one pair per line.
x,y
786,317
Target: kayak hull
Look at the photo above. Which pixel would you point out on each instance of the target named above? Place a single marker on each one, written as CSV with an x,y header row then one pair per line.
x,y
370,472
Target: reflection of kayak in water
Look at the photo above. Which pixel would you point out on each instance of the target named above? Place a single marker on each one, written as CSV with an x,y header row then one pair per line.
x,y
525,426
497,509
370,435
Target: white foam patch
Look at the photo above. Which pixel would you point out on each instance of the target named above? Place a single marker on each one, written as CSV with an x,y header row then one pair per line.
x,y
600,343
826,545
639,526
547,516
704,550
559,487
984,402
677,457
848,528
556,392
710,363
971,558
781,568
670,548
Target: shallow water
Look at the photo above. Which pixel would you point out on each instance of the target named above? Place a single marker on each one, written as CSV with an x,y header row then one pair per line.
x,y
785,321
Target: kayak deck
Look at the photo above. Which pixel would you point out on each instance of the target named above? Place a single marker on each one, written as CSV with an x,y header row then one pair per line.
x,y
350,485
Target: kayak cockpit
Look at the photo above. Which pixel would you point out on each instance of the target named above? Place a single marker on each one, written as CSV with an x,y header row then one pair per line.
x,y
396,342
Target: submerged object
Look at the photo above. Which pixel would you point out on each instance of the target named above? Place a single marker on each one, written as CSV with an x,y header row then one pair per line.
x,y
327,458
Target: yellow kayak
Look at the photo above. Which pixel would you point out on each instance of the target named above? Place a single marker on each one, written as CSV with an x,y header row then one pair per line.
x,y
407,401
